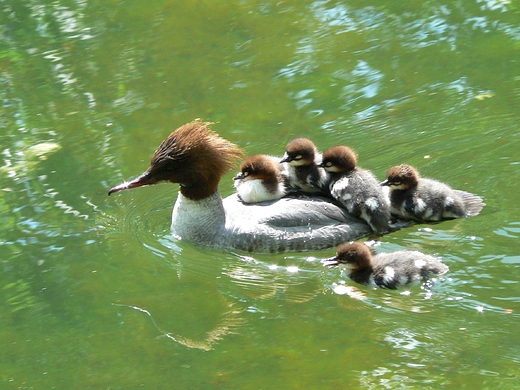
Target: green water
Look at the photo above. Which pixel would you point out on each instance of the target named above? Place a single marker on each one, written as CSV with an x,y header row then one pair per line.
x,y
96,294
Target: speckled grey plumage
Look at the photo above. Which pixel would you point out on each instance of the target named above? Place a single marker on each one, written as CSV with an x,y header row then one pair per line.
x,y
361,194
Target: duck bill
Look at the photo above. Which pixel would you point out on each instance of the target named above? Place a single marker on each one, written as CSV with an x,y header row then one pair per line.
x,y
330,261
285,159
385,183
141,181
239,176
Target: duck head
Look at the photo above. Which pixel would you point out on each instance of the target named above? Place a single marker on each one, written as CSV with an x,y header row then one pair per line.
x,y
339,159
401,177
352,255
300,151
193,156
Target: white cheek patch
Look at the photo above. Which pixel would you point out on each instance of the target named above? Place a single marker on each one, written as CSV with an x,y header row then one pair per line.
x,y
372,203
397,187
420,206
389,274
449,201
419,263
298,163
332,169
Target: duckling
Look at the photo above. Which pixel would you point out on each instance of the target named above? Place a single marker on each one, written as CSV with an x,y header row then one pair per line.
x,y
423,200
387,270
303,158
357,189
260,180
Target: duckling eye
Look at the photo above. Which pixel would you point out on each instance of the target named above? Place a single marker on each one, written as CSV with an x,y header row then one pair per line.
x,y
298,157
245,173
328,164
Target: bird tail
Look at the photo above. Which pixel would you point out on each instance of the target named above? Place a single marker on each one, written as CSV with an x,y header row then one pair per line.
x,y
472,203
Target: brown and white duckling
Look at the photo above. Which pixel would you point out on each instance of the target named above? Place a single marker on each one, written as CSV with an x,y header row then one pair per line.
x,y
388,270
259,180
420,199
303,158
356,188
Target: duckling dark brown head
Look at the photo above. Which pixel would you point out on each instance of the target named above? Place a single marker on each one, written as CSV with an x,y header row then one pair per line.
x,y
299,151
193,156
355,255
339,159
401,177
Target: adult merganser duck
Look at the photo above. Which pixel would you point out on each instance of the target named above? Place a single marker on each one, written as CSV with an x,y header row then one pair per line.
x,y
356,188
303,173
196,158
422,200
388,270
260,179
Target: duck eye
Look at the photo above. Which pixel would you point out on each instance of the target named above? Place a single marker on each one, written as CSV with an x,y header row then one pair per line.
x,y
328,164
245,173
298,157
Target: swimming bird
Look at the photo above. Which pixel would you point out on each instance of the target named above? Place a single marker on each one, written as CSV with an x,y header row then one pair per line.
x,y
260,179
421,199
388,270
303,158
196,158
356,188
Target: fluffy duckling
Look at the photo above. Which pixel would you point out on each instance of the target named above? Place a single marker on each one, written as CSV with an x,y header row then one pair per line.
x,y
357,189
423,200
259,180
303,173
388,270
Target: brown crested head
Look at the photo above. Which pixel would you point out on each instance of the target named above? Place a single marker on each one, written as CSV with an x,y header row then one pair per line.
x,y
339,159
355,254
401,177
258,166
193,156
300,151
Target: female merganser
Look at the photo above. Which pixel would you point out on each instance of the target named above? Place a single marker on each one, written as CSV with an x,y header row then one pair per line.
x,y
422,200
304,175
388,270
356,188
196,158
260,179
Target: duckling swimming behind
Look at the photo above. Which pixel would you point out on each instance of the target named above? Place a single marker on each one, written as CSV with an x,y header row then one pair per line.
x,y
420,199
388,270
